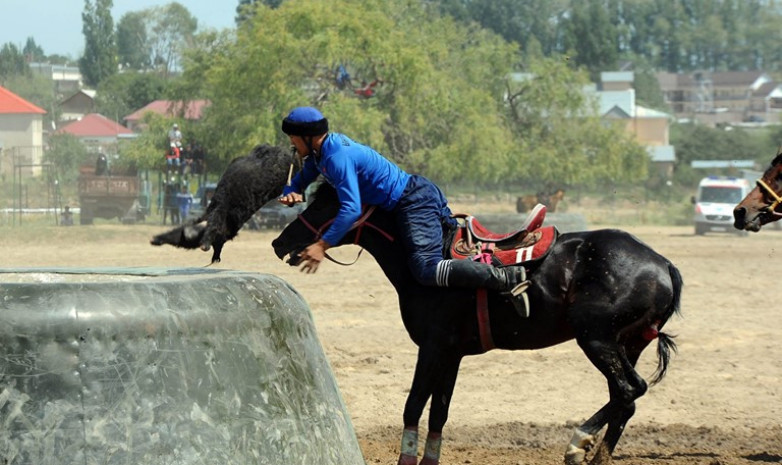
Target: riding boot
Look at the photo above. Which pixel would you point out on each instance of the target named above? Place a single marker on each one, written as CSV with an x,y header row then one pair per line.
x,y
510,280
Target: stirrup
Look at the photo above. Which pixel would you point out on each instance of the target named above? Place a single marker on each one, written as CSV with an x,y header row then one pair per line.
x,y
519,299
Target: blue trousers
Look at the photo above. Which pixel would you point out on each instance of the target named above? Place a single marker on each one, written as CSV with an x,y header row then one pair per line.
x,y
421,214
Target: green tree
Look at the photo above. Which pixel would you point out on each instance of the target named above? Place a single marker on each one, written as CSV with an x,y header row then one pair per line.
x,y
32,51
447,106
122,94
171,32
56,59
524,22
147,151
132,41
66,153
100,50
246,7
440,83
12,62
591,35
698,142
562,139
674,35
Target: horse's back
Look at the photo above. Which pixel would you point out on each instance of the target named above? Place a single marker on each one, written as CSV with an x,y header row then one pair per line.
x,y
609,244
610,269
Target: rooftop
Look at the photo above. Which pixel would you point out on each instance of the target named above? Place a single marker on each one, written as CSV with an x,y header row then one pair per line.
x,y
10,103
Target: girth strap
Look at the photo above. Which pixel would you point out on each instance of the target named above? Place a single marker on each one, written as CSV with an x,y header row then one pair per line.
x,y
484,326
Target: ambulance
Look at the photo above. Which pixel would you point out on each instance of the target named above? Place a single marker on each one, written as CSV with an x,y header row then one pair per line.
x,y
714,203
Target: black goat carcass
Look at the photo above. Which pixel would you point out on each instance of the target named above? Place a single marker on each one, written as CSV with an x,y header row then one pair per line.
x,y
247,183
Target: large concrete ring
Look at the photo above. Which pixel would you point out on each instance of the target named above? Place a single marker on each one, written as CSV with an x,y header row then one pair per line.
x,y
155,366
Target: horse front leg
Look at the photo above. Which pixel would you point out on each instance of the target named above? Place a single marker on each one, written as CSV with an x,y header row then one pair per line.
x,y
438,410
429,371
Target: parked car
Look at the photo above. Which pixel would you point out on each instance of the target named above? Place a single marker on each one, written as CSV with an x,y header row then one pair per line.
x,y
201,200
274,215
714,203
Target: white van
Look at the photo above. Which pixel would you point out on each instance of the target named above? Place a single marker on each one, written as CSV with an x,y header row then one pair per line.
x,y
717,197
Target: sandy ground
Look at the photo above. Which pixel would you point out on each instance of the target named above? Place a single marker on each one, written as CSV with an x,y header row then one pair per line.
x,y
720,404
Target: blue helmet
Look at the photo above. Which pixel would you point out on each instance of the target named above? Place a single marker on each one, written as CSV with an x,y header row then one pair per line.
x,y
305,121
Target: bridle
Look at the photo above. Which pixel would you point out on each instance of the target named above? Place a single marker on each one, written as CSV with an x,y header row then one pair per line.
x,y
771,207
358,226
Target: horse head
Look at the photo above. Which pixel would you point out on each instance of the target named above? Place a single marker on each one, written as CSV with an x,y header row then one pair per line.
x,y
308,226
763,204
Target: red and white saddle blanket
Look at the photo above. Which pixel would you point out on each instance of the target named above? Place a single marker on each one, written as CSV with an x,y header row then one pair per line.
x,y
474,241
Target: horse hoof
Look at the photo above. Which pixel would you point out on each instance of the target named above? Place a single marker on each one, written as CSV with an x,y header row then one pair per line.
x,y
405,459
574,456
576,451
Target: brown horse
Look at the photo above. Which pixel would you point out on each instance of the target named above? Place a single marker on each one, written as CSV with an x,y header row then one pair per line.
x,y
525,203
763,204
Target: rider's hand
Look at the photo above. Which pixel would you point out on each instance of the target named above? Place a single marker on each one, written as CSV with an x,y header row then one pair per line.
x,y
290,199
313,255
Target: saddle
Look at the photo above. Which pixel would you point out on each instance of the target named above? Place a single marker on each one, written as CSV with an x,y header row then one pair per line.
x,y
474,241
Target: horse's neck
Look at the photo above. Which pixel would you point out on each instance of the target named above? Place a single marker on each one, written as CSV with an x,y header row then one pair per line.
x,y
391,259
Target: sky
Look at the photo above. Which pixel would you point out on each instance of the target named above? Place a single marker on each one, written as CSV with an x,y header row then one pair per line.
x,y
56,24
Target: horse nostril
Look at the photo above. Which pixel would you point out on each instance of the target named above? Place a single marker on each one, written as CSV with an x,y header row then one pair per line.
x,y
739,213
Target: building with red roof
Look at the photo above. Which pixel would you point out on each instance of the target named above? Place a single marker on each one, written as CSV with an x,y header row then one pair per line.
x,y
97,132
21,133
192,110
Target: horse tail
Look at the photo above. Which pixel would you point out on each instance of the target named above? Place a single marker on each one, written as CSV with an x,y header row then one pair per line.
x,y
677,283
665,342
665,345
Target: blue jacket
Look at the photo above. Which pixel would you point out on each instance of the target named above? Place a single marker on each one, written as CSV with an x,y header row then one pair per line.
x,y
358,173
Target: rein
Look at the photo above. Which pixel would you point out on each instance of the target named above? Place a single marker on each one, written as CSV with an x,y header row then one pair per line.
x,y
358,225
771,208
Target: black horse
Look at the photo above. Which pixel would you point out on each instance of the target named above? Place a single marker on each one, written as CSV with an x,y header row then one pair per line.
x,y
763,205
605,288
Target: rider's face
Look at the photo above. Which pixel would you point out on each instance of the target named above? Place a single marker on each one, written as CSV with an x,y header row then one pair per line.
x,y
301,146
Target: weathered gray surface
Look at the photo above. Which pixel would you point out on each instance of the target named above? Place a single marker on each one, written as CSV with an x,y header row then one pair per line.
x,y
152,366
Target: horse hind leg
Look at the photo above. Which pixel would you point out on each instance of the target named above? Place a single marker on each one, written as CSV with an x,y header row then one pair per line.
x,y
624,386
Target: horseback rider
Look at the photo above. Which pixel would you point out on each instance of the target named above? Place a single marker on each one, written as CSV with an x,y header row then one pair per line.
x,y
362,175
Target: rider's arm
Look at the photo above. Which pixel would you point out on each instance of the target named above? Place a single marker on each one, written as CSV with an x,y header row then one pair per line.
x,y
303,178
345,180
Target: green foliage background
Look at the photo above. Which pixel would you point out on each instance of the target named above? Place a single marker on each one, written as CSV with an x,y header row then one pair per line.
x,y
442,108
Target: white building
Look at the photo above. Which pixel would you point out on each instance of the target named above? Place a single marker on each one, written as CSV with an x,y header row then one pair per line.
x,y
21,135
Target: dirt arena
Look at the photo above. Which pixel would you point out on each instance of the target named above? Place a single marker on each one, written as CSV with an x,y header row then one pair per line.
x,y
721,403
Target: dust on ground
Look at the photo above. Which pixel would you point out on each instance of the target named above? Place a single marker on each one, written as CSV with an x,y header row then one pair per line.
x,y
720,404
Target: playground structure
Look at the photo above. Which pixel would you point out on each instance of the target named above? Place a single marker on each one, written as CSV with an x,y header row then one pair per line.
x,y
158,366
22,167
